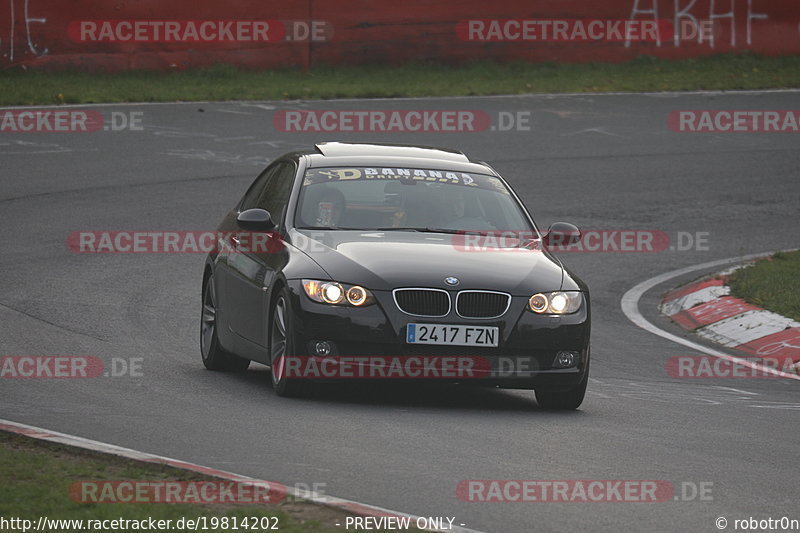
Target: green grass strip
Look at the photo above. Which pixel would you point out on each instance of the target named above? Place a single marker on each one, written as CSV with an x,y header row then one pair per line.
x,y
773,284
224,82
36,477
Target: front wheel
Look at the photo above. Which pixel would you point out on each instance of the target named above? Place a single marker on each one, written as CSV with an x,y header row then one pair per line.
x,y
567,400
214,356
282,347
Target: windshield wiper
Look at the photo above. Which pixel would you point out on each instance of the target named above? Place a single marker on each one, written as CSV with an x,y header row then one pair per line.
x,y
388,228
331,228
420,229
444,230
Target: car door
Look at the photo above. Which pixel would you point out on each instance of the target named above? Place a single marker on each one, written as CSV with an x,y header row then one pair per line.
x,y
251,269
222,271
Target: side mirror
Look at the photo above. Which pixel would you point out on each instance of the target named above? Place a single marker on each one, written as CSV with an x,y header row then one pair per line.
x,y
256,220
561,234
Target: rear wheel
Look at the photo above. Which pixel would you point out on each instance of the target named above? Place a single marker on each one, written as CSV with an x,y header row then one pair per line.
x,y
214,356
282,347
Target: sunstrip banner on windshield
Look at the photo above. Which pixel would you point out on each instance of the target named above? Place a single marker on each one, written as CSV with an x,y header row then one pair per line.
x,y
409,175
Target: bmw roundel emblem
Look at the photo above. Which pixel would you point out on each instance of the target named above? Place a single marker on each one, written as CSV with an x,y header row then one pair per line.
x,y
450,280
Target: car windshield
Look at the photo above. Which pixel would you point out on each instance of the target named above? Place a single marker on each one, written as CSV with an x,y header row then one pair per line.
x,y
403,199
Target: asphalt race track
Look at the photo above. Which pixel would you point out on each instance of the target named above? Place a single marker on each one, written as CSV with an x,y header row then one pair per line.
x,y
599,161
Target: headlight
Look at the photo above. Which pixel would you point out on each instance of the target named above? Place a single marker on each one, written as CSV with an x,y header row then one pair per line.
x,y
357,295
335,293
555,303
332,293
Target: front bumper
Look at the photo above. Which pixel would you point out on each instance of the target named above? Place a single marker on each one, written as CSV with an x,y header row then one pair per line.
x,y
368,336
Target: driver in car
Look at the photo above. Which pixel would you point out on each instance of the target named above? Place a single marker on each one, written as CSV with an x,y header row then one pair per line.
x,y
330,208
458,218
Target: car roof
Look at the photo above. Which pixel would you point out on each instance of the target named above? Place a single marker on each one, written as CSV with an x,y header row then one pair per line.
x,y
337,154
340,149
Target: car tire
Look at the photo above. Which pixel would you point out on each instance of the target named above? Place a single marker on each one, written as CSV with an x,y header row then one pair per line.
x,y
567,400
282,345
562,400
214,356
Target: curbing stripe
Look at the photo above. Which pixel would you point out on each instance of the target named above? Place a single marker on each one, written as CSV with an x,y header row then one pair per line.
x,y
702,306
630,307
785,342
112,449
691,299
690,288
712,312
746,327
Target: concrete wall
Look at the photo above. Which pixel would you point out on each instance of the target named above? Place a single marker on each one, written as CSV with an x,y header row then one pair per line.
x,y
94,34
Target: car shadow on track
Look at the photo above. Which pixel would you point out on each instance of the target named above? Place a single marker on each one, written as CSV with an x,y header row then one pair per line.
x,y
396,394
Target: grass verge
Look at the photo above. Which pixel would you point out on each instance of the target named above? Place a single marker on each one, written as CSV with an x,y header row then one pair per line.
x,y
224,82
36,477
773,284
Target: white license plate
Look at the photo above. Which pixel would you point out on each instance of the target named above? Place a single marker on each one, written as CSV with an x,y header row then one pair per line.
x,y
452,335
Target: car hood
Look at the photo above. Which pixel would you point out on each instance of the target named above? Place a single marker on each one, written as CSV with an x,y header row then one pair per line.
x,y
388,260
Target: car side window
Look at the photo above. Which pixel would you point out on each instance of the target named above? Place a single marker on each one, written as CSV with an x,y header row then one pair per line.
x,y
275,195
250,199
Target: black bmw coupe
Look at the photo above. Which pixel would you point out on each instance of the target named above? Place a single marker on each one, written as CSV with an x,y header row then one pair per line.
x,y
376,261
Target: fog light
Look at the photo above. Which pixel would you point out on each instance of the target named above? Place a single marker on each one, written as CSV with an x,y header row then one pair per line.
x,y
323,348
565,360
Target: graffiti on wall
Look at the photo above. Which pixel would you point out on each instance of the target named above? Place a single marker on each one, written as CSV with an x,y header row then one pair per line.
x,y
17,29
700,22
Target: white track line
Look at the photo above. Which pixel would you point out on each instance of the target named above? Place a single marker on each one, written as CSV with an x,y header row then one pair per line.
x,y
630,306
87,444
